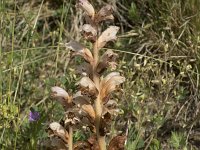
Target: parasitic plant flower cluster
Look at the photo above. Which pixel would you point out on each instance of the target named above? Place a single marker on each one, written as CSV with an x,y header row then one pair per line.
x,y
91,107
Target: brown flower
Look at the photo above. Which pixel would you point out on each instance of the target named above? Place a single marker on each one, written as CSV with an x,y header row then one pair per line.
x,y
87,7
109,84
108,35
79,49
59,131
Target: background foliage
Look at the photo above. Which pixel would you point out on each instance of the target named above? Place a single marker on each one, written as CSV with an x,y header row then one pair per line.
x,y
159,48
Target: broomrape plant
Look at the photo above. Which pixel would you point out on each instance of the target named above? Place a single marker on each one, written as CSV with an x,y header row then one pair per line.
x,y
91,107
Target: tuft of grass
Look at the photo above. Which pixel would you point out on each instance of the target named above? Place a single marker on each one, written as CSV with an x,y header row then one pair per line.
x,y
177,140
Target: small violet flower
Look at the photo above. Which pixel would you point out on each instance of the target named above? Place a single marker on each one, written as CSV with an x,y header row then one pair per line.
x,y
33,115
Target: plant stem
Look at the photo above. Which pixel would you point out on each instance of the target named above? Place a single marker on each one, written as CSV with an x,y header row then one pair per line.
x,y
70,140
95,63
98,109
98,104
96,54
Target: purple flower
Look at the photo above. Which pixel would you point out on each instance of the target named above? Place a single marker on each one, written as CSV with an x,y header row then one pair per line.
x,y
33,115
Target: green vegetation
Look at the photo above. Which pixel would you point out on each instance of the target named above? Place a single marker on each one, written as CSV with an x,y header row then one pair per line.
x,y
159,49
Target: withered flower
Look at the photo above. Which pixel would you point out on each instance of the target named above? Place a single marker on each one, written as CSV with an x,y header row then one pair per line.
x,y
107,59
87,86
89,32
84,69
108,35
79,49
71,117
62,96
105,13
87,7
109,84
117,143
59,130
80,99
58,92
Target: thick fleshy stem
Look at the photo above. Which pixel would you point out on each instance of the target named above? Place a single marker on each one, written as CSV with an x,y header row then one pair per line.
x,y
98,109
98,104
70,140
